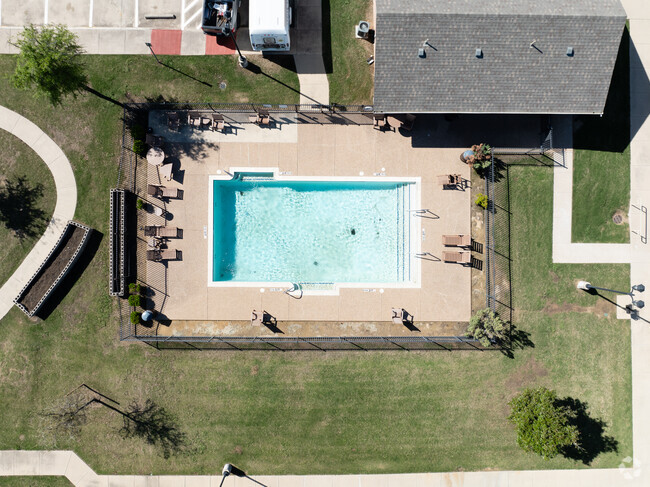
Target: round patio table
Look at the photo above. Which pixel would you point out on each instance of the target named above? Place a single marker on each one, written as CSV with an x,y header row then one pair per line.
x,y
155,156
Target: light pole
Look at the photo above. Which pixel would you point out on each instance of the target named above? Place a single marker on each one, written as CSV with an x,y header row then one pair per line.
x,y
230,469
243,62
148,44
586,286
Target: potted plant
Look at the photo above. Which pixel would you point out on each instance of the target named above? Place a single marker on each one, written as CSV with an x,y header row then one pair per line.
x,y
479,156
482,200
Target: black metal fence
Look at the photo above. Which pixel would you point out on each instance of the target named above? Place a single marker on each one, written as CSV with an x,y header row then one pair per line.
x,y
319,114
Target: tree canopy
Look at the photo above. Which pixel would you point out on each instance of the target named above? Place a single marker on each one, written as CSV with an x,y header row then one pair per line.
x,y
49,61
486,327
543,425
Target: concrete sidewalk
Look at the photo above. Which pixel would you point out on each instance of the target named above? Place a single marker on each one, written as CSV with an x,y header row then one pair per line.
x,y
66,200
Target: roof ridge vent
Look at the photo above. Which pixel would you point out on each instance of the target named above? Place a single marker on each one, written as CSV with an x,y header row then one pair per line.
x,y
479,52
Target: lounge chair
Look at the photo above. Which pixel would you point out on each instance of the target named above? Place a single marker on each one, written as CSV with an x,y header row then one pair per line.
x,y
154,140
264,117
457,257
218,123
160,231
161,191
173,120
398,316
457,240
158,255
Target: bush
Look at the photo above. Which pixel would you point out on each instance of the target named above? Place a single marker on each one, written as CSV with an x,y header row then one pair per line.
x,y
139,147
486,327
135,317
482,157
135,288
139,204
543,425
134,300
482,200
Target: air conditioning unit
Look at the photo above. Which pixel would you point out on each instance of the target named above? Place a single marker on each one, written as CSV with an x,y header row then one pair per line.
x,y
362,30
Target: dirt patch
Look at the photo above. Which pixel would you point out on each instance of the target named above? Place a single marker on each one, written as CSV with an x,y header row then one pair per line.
x,y
51,271
601,306
238,450
554,276
528,374
255,369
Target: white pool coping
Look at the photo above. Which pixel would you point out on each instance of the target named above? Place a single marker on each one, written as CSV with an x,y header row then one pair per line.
x,y
415,236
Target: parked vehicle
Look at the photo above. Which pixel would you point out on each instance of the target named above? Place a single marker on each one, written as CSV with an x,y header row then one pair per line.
x,y
220,16
268,23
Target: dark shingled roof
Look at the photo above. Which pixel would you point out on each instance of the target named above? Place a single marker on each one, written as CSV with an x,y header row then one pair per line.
x,y
511,76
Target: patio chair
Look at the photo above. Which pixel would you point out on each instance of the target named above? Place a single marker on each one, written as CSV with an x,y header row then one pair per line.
x,y
154,140
379,121
450,180
155,242
167,232
159,255
457,240
457,257
173,120
218,123
205,122
398,316
166,172
193,119
166,192
153,189
264,117
256,318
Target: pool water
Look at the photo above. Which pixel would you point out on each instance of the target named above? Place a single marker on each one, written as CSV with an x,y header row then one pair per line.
x,y
265,230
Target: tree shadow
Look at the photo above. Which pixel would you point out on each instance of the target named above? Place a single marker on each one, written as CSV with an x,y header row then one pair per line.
x,y
517,340
19,209
593,440
155,425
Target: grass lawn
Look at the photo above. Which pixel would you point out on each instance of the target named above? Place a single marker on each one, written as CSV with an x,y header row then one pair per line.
x,y
34,482
350,77
301,412
23,170
601,166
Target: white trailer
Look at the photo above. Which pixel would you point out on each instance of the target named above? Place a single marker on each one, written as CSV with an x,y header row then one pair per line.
x,y
268,24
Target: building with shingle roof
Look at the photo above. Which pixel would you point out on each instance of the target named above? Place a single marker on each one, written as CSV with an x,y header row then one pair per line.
x,y
495,56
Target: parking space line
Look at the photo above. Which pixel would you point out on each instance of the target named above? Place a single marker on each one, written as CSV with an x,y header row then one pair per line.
x,y
185,20
191,18
90,15
182,13
45,12
136,22
0,12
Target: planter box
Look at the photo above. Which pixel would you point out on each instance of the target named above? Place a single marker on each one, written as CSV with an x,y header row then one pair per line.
x,y
55,267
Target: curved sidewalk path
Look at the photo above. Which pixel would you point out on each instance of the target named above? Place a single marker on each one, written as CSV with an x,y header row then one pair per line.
x,y
66,200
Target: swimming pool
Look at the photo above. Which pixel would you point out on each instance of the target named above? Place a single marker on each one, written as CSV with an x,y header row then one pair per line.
x,y
351,232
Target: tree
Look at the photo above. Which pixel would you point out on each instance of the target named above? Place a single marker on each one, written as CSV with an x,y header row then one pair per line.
x,y
544,426
486,327
49,62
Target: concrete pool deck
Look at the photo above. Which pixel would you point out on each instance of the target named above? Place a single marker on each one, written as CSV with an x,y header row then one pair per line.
x,y
314,150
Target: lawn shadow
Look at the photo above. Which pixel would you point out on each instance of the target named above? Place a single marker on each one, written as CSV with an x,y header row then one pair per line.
x,y
73,275
593,440
326,25
517,340
155,425
287,63
19,209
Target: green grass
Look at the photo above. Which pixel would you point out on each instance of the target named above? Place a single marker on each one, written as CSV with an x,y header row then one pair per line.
x,y
601,166
34,482
303,412
20,161
349,76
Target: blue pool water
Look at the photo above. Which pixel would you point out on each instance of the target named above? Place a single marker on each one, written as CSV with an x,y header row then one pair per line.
x,y
310,232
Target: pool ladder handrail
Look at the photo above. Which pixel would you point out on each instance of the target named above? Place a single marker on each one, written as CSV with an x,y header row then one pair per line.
x,y
295,291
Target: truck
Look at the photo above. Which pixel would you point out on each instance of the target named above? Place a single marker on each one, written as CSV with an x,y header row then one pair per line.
x,y
220,17
268,24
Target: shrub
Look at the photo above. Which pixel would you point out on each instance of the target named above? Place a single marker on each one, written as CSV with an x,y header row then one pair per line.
x,y
139,204
486,327
135,317
543,425
482,200
138,146
134,300
135,288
